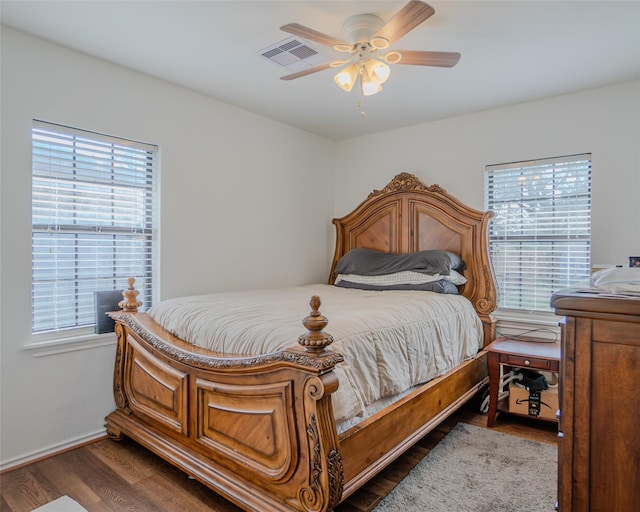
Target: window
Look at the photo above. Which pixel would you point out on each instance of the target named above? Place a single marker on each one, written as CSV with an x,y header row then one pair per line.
x,y
92,223
540,238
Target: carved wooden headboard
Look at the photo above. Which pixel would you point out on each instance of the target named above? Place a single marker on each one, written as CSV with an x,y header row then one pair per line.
x,y
408,216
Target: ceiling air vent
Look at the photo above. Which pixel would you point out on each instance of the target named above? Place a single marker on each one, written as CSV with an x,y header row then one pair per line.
x,y
293,54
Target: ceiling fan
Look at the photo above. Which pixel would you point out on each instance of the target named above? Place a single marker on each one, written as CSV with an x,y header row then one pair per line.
x,y
367,39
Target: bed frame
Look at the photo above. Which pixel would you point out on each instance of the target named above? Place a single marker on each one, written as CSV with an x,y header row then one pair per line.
x,y
260,430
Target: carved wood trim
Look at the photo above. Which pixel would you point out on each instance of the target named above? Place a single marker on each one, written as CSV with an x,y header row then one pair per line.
x,y
130,302
405,182
322,361
315,339
118,370
336,477
323,490
311,495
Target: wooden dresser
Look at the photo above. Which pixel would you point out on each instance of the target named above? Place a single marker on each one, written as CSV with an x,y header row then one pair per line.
x,y
599,428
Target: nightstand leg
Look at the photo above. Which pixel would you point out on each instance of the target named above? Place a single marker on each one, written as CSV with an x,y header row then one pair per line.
x,y
494,384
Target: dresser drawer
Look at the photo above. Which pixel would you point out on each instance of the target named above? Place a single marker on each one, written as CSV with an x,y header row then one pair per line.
x,y
623,333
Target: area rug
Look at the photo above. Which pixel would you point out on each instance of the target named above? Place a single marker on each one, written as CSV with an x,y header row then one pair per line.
x,y
474,469
63,504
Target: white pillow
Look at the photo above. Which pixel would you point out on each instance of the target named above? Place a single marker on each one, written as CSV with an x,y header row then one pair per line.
x,y
455,278
406,277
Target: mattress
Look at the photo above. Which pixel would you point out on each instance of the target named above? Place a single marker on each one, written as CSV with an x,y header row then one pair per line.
x,y
390,340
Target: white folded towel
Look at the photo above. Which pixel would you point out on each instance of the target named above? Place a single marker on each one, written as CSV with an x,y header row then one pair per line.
x,y
617,280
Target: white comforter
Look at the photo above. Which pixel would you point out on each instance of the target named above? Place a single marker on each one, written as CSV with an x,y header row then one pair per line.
x,y
390,340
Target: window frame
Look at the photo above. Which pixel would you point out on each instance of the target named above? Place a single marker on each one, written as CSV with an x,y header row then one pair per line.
x,y
62,339
581,165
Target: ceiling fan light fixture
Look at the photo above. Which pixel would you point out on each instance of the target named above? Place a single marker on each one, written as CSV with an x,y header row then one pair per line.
x,y
369,87
346,77
366,37
377,70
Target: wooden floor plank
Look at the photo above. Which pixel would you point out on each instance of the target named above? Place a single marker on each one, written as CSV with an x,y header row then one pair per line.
x,y
4,506
187,486
105,482
63,478
124,457
380,486
23,492
97,507
170,495
363,500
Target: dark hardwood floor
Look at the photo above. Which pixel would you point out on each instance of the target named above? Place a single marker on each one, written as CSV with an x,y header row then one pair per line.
x,y
108,476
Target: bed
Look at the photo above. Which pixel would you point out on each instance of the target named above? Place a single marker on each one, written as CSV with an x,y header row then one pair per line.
x,y
267,428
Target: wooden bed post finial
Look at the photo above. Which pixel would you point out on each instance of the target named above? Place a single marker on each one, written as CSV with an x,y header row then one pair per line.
x,y
315,339
130,304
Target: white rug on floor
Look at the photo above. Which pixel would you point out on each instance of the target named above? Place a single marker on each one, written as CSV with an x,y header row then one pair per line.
x,y
475,469
63,504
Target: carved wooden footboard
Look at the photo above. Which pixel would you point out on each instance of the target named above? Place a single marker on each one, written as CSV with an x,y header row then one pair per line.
x,y
258,430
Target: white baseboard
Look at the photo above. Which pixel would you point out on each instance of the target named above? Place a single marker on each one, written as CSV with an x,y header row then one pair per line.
x,y
51,450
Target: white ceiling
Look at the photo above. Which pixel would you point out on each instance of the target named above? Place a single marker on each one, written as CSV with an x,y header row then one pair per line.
x,y
512,52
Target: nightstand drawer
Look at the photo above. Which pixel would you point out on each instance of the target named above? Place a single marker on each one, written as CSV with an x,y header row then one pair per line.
x,y
526,362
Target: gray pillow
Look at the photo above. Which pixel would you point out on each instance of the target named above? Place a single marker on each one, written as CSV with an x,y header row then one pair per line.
x,y
368,262
440,286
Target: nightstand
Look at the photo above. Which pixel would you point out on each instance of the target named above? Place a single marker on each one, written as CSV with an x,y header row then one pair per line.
x,y
521,353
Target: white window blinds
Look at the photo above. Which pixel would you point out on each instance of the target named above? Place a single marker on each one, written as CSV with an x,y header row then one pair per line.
x,y
540,237
92,222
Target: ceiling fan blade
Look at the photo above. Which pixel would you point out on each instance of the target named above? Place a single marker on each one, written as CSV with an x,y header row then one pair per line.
x,y
418,58
306,72
405,20
313,35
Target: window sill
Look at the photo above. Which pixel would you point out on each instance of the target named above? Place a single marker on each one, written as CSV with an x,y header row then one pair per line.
x,y
69,344
521,323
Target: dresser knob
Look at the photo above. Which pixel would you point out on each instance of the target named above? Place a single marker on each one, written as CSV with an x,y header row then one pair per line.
x,y
560,435
527,362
